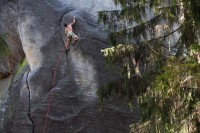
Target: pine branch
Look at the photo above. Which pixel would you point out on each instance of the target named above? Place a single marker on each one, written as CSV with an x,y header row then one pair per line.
x,y
166,35
149,22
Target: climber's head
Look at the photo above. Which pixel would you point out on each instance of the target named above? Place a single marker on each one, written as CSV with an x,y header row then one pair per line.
x,y
65,24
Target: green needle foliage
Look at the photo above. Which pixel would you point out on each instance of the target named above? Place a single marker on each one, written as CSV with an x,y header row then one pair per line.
x,y
4,49
164,75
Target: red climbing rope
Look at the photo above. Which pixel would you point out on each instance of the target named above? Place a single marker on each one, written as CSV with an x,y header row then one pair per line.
x,y
51,94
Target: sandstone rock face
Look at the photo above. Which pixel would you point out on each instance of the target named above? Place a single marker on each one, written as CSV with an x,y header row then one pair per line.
x,y
9,80
58,84
8,28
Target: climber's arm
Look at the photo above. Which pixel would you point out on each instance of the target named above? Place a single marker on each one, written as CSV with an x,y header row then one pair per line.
x,y
73,20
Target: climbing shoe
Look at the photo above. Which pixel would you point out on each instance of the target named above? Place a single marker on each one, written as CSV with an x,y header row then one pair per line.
x,y
67,50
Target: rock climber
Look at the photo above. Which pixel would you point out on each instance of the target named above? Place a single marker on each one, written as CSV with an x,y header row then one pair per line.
x,y
71,37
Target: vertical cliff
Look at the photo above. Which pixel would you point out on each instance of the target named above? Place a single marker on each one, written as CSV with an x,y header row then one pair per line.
x,y
36,33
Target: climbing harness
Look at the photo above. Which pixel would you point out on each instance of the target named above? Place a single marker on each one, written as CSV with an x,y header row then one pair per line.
x,y
70,35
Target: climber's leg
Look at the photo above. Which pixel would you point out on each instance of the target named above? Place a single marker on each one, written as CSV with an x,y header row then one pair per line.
x,y
75,39
67,44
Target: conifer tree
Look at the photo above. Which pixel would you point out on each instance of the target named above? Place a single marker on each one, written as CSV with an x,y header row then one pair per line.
x,y
155,47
